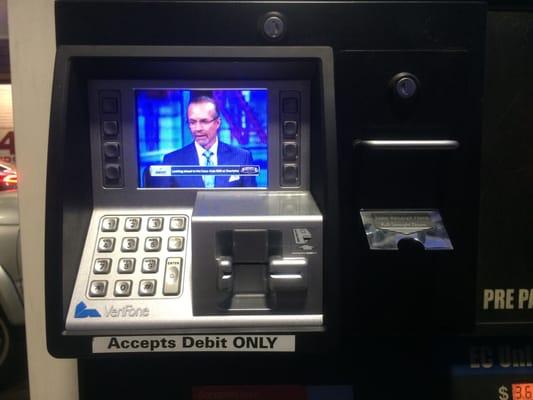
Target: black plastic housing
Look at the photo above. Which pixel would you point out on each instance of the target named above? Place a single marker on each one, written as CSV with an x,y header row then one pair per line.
x,y
426,295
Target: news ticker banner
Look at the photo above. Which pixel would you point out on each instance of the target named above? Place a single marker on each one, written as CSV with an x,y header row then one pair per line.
x,y
197,170
194,343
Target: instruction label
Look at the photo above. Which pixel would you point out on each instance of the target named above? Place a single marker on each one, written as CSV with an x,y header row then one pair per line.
x,y
190,343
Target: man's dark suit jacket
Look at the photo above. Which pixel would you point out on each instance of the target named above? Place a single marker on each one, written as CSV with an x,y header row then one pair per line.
x,y
226,154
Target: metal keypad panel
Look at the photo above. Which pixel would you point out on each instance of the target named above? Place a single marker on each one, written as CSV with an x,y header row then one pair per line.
x,y
138,256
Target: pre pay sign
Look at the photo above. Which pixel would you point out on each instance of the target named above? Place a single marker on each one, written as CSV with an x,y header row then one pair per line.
x,y
508,299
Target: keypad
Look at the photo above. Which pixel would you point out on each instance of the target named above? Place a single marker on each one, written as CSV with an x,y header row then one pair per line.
x,y
138,256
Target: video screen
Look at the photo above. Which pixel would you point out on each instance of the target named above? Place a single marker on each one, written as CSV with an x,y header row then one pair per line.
x,y
210,139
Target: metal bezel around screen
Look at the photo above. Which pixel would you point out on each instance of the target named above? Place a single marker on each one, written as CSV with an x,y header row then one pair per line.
x,y
131,194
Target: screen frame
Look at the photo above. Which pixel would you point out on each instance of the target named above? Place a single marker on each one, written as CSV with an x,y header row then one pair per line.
x,y
131,195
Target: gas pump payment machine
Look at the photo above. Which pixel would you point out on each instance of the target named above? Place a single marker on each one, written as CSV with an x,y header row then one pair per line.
x,y
272,183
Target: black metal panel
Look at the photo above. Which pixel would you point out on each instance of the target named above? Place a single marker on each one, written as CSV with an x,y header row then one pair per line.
x,y
68,201
342,25
442,43
506,241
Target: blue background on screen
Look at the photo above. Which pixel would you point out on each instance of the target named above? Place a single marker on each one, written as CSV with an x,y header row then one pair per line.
x,y
162,123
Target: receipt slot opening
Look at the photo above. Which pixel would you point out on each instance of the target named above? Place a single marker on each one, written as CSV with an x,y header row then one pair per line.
x,y
414,226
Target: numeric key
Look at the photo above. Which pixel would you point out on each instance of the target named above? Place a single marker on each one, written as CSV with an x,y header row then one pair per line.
x,y
102,266
98,289
152,243
150,265
132,224
129,244
106,244
147,287
126,265
176,243
155,224
109,224
123,288
177,223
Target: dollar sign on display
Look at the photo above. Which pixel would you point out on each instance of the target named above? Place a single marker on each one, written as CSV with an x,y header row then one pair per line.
x,y
504,395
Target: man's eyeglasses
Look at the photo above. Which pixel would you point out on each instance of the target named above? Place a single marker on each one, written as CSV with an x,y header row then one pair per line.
x,y
202,122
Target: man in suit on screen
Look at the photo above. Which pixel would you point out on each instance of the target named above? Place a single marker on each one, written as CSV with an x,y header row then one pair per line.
x,y
207,150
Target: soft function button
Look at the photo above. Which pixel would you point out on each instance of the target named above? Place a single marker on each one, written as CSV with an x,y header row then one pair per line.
x,y
112,172
111,150
110,129
106,244
155,224
132,224
172,276
123,288
290,174
290,105
177,223
129,244
150,265
126,265
147,287
102,266
98,289
109,224
290,128
109,105
290,151
152,243
176,243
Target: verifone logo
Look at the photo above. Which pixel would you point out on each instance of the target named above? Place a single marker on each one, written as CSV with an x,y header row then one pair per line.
x,y
126,311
